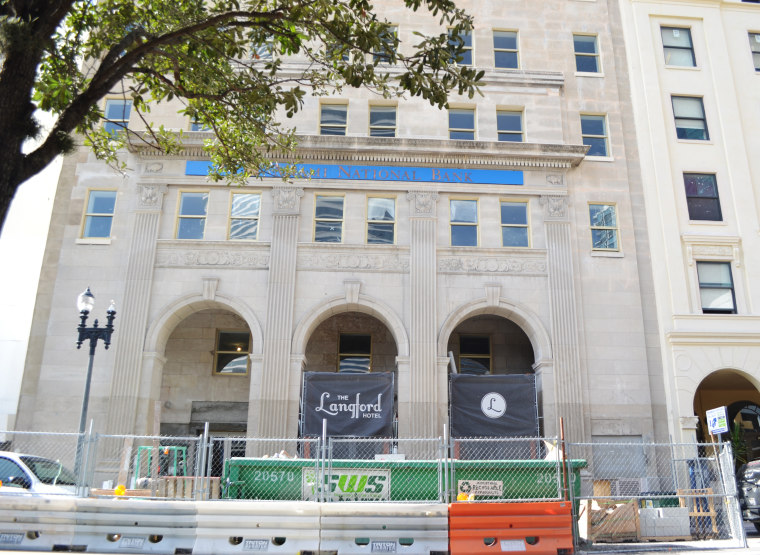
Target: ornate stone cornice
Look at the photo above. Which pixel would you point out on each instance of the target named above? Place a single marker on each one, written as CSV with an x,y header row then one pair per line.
x,y
423,202
151,196
403,151
287,200
555,207
196,254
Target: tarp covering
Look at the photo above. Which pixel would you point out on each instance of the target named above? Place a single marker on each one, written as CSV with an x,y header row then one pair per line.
x,y
352,404
493,405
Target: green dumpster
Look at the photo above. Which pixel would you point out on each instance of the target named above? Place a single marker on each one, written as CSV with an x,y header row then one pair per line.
x,y
393,480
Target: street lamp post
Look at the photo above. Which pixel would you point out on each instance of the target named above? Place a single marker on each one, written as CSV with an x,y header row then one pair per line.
x,y
85,304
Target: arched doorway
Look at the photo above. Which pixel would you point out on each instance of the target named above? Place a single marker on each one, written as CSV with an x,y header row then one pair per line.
x,y
734,390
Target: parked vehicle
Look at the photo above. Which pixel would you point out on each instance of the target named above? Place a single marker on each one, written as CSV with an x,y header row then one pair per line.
x,y
748,484
22,474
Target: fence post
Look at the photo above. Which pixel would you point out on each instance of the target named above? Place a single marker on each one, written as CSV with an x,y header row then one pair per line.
x,y
201,465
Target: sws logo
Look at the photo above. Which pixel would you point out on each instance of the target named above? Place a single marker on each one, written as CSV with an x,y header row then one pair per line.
x,y
355,484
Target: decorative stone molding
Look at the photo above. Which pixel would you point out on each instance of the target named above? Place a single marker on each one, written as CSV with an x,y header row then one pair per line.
x,y
492,265
353,261
555,206
353,286
555,179
689,422
151,196
424,202
204,258
287,200
210,286
154,167
493,292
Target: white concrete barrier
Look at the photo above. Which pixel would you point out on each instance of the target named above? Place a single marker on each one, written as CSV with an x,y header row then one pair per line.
x,y
32,524
257,526
360,528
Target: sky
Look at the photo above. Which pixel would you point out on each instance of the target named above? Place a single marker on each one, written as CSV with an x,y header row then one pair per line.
x,y
22,243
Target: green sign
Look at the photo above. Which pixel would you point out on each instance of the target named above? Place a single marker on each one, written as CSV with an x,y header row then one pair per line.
x,y
348,484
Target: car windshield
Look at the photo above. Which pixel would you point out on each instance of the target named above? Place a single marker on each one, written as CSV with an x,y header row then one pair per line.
x,y
49,471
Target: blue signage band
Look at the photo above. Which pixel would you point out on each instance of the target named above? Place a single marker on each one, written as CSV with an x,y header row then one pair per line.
x,y
338,172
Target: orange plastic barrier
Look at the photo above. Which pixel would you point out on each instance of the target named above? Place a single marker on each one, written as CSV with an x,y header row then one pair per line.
x,y
541,528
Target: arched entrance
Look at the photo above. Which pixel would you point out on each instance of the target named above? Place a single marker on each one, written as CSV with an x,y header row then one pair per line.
x,y
734,390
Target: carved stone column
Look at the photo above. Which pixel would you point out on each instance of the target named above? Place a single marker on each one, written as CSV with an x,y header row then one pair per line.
x,y
568,375
133,316
424,398
276,402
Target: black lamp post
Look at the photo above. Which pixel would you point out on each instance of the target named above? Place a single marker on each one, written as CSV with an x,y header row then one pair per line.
x,y
85,304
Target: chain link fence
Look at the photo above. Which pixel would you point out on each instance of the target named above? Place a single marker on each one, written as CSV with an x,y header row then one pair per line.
x,y
656,492
621,492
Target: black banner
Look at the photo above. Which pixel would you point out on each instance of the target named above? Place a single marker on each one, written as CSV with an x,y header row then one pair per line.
x,y
352,404
493,405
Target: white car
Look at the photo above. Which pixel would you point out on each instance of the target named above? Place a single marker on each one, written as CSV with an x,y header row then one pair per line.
x,y
28,474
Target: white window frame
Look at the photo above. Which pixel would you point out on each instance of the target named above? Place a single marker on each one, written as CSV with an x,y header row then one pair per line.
x,y
476,224
340,221
383,127
344,127
500,132
391,223
615,228
473,130
597,55
526,226
516,50
180,216
232,217
605,136
119,124
466,48
87,214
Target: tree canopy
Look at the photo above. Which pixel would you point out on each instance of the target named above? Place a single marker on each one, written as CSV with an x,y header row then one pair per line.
x,y
232,64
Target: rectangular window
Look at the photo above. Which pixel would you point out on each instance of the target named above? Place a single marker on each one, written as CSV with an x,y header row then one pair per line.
x,y
355,353
462,123
586,54
99,214
332,119
716,288
263,51
198,126
509,126
328,219
474,354
231,353
689,113
381,220
514,224
754,45
702,196
676,43
594,134
244,216
388,42
382,121
464,223
505,49
604,228
192,215
117,115
463,40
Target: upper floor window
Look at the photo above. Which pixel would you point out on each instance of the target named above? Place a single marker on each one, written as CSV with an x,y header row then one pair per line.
x,y
263,51
244,216
464,223
231,353
474,354
702,196
191,219
99,214
689,113
382,121
754,45
117,115
514,224
676,43
594,134
465,56
354,353
462,123
509,125
505,49
716,288
388,45
332,119
195,125
328,219
586,53
381,220
604,227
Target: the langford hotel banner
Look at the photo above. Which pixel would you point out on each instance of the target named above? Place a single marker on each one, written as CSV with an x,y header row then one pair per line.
x,y
352,404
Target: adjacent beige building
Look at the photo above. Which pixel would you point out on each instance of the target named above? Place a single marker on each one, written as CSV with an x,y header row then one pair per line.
x,y
695,83
509,231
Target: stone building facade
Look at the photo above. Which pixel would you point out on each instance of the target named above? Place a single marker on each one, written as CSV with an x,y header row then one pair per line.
x,y
508,231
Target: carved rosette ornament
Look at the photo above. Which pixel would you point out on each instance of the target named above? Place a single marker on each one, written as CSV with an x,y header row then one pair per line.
x,y
287,200
424,202
151,196
555,206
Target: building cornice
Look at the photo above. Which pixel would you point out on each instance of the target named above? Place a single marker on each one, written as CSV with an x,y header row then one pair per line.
x,y
399,151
